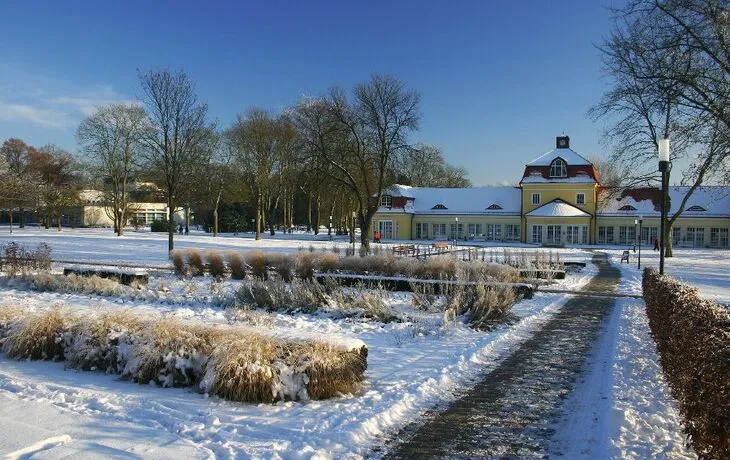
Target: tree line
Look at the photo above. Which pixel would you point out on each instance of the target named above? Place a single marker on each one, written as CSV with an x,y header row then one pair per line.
x,y
321,161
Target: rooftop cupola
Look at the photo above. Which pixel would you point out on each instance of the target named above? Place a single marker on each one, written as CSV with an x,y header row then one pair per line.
x,y
562,142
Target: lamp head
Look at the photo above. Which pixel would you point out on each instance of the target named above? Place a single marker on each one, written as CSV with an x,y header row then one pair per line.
x,y
664,150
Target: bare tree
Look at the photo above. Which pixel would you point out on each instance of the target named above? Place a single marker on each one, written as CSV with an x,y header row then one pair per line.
x,y
360,140
19,186
112,139
253,139
425,166
669,81
180,138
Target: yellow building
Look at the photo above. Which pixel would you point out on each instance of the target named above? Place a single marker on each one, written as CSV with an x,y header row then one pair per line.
x,y
559,201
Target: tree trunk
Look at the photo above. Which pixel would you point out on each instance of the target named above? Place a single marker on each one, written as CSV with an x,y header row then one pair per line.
x,y
309,212
257,224
22,218
170,226
215,221
59,222
668,251
187,219
11,220
317,203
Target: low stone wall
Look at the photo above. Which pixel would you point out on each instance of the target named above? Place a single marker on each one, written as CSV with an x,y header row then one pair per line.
x,y
693,339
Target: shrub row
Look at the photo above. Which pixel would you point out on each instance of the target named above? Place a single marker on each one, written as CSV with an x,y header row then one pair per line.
x,y
303,265
19,259
231,363
693,339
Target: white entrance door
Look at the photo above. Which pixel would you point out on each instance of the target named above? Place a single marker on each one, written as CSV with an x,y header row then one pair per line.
x,y
553,234
386,229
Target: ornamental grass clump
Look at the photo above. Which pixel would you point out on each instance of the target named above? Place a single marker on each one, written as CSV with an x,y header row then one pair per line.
x,y
178,261
76,284
216,265
37,335
328,262
304,265
195,262
257,261
232,363
236,264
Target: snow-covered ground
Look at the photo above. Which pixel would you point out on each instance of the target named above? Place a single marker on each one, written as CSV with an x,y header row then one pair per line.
x,y
412,366
621,407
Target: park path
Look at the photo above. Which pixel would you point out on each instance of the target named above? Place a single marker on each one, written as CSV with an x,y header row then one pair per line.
x,y
510,411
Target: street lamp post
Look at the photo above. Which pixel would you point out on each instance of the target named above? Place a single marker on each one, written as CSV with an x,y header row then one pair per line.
x,y
330,229
456,232
664,169
639,220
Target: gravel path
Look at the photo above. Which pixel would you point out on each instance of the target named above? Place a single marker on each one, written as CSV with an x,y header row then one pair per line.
x,y
510,411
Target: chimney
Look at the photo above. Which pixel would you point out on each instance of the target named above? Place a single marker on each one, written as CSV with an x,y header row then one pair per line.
x,y
562,142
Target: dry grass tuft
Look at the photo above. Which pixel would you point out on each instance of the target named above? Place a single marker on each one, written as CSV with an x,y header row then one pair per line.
x,y
178,261
257,261
330,371
38,335
216,266
195,262
328,262
243,370
76,284
304,264
236,264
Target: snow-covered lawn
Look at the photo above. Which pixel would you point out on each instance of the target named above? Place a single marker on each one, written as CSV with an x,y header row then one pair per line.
x,y
412,366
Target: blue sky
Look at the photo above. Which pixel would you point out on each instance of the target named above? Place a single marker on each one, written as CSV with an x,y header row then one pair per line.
x,y
499,79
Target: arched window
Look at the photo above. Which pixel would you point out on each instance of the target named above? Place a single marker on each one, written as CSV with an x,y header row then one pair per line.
x,y
627,207
696,208
439,206
494,207
558,168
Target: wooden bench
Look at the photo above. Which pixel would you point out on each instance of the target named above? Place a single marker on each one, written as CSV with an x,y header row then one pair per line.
x,y
624,256
404,249
123,276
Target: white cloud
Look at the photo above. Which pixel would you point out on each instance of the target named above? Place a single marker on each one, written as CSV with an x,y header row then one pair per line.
x,y
88,101
47,117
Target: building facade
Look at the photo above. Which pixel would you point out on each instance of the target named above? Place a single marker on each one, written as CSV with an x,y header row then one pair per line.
x,y
559,201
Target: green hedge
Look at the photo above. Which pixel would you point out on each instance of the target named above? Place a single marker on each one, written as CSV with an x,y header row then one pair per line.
x,y
693,339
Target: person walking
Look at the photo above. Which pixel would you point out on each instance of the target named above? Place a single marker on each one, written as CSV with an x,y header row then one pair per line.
x,y
656,244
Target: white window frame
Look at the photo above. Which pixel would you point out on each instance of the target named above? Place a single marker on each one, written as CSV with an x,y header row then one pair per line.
x,y
536,195
558,168
580,198
537,233
386,201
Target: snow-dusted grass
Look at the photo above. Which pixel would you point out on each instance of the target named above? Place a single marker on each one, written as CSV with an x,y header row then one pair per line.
x,y
706,269
235,364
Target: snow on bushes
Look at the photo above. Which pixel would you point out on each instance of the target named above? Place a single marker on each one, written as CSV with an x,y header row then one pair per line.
x,y
304,265
17,259
693,339
232,363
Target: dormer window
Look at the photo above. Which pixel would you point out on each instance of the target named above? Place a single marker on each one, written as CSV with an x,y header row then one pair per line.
x,y
696,208
439,206
627,207
494,207
386,201
558,168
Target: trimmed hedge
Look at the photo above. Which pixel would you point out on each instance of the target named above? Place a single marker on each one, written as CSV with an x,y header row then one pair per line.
x,y
693,339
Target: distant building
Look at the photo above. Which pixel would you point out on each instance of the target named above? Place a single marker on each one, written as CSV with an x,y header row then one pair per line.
x,y
559,201
92,212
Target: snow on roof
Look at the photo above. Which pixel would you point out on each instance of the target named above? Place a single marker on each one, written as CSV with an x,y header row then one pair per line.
x,y
571,157
468,200
557,208
536,177
715,200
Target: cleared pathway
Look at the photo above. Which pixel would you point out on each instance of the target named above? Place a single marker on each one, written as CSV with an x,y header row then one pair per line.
x,y
509,412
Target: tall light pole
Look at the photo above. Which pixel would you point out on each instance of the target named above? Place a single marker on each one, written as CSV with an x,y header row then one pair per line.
x,y
456,232
664,169
330,228
639,220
